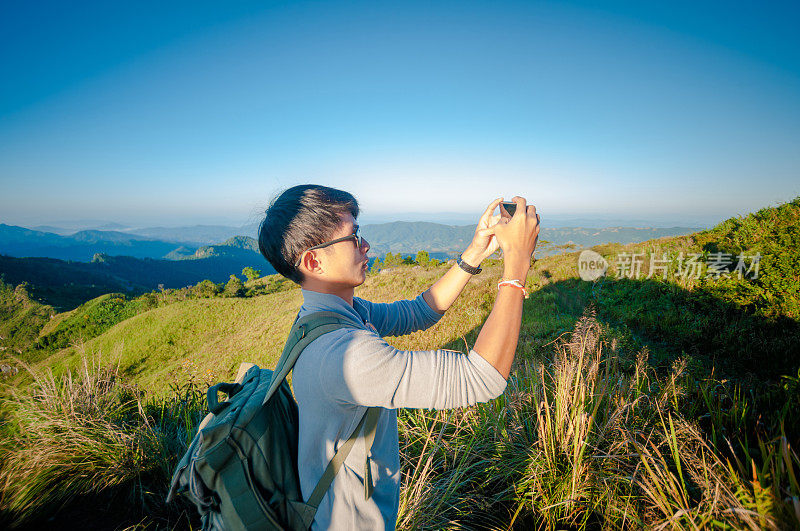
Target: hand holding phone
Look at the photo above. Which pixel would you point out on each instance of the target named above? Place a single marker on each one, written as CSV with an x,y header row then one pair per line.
x,y
517,235
509,207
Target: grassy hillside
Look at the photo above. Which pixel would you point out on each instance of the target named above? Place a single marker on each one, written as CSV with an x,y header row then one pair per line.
x,y
164,345
635,401
45,336
21,319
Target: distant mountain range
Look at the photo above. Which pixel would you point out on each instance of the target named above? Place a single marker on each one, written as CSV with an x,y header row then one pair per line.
x,y
66,284
195,235
80,246
66,268
192,235
203,240
410,237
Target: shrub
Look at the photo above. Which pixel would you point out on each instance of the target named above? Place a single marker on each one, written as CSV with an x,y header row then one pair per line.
x,y
774,233
392,260
250,273
205,289
234,287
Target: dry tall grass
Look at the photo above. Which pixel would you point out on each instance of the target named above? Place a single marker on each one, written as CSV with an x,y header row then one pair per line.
x,y
87,433
584,441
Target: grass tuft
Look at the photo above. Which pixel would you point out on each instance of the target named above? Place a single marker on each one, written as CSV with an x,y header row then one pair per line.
x,y
87,434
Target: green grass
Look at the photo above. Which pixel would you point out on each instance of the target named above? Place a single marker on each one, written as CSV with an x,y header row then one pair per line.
x,y
774,233
200,339
21,319
580,439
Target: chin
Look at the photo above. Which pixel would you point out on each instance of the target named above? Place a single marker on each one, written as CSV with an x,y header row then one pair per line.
x,y
361,277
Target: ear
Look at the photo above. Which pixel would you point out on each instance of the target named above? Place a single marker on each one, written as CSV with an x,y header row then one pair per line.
x,y
311,263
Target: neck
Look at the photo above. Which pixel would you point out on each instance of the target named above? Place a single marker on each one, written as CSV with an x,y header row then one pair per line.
x,y
343,292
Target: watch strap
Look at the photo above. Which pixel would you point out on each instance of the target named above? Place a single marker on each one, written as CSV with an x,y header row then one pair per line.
x,y
472,270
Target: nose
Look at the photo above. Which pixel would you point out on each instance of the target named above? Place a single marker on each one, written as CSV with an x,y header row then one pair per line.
x,y
364,244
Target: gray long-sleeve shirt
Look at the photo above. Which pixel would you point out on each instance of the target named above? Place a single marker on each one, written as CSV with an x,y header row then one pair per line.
x,y
342,373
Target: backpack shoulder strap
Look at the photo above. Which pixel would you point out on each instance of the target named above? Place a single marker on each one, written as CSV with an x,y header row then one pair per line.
x,y
304,331
368,422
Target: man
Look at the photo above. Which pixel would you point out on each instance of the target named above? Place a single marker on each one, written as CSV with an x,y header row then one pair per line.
x,y
311,236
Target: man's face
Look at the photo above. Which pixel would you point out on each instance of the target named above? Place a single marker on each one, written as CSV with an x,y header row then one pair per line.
x,y
343,262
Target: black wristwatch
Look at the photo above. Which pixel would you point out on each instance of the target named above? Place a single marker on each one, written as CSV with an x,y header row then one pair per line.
x,y
468,268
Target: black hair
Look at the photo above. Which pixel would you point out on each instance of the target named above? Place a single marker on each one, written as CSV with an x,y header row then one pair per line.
x,y
299,218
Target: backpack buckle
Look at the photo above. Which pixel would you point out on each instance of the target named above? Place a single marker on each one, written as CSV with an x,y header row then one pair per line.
x,y
302,329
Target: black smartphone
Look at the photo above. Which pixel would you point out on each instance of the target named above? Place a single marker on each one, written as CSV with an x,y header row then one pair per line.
x,y
509,207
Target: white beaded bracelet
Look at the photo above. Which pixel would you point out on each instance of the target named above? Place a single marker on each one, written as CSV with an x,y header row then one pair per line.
x,y
514,283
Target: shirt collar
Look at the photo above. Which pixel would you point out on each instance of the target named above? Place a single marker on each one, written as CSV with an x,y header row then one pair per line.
x,y
314,301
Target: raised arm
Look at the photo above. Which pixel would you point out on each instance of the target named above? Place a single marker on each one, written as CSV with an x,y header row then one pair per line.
x,y
441,295
359,367
399,318
497,340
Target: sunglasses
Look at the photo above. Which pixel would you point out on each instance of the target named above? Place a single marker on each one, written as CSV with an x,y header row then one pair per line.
x,y
356,237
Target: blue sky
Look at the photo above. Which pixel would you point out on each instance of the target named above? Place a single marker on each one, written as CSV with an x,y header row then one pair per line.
x,y
198,112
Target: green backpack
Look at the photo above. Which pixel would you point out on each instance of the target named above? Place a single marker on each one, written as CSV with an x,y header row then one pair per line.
x,y
241,467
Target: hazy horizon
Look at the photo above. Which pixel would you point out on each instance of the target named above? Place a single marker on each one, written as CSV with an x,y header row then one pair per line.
x,y
445,218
